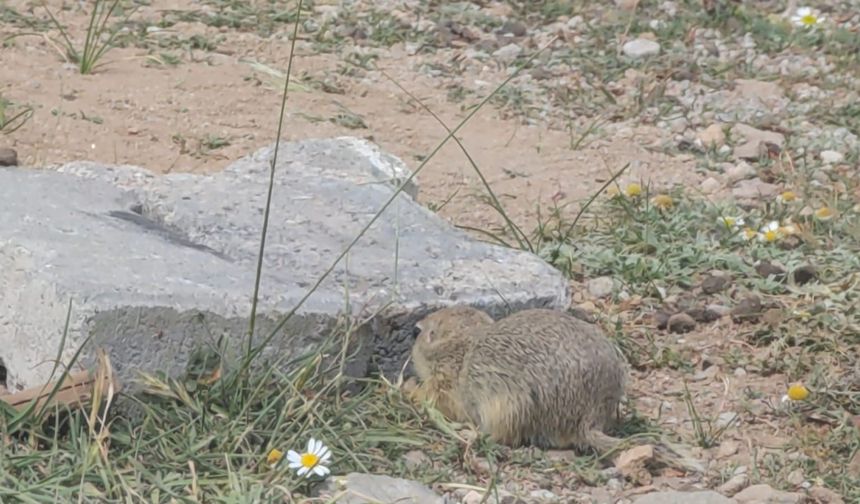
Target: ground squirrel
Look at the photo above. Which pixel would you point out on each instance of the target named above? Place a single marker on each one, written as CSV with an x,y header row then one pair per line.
x,y
538,377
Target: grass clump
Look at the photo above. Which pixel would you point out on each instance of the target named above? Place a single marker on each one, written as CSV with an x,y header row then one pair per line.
x,y
99,38
12,116
203,440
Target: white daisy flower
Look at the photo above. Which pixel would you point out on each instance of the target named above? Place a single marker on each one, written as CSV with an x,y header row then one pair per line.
x,y
807,17
312,461
770,232
731,223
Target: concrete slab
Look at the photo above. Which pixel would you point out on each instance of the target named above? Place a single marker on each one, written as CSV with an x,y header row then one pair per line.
x,y
156,265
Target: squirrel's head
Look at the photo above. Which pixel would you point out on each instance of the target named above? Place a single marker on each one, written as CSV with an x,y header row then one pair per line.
x,y
455,322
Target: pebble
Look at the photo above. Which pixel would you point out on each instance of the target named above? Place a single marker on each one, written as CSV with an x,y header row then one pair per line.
x,y
734,485
8,156
715,283
748,309
376,488
414,459
768,269
675,497
542,495
751,148
727,449
831,157
805,274
796,477
680,323
640,48
727,418
601,287
721,310
825,495
710,185
514,29
713,135
754,189
757,494
509,53
740,171
633,459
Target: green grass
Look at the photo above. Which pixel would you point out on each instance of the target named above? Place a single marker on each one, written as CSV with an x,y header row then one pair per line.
x,y
13,116
99,37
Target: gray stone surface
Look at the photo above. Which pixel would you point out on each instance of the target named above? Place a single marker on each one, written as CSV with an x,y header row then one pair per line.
x,y
158,265
359,488
675,497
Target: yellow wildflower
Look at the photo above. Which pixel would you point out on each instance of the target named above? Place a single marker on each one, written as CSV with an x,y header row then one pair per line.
x,y
662,201
633,190
798,392
274,456
824,213
786,197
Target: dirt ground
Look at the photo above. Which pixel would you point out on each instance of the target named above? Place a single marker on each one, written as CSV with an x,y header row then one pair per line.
x,y
159,117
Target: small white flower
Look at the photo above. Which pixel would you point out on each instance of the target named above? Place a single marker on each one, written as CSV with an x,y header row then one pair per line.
x,y
312,461
770,232
807,17
731,223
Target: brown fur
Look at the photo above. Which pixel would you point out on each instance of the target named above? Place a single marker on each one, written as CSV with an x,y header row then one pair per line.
x,y
538,377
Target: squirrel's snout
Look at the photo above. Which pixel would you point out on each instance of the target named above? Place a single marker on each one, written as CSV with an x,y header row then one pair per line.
x,y
416,331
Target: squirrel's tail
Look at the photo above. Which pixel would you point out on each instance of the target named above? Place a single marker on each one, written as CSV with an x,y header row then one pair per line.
x,y
665,452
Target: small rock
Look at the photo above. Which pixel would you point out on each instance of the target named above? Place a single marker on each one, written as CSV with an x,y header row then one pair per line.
x,y
601,287
761,90
823,495
796,477
561,455
755,140
631,464
727,418
358,488
831,157
734,485
542,495
615,485
748,309
773,317
715,283
727,449
661,319
514,29
712,136
719,309
765,494
805,274
626,4
767,269
754,189
681,323
634,458
8,156
473,497
640,48
507,54
414,459
702,314
740,171
675,497
739,372
710,185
